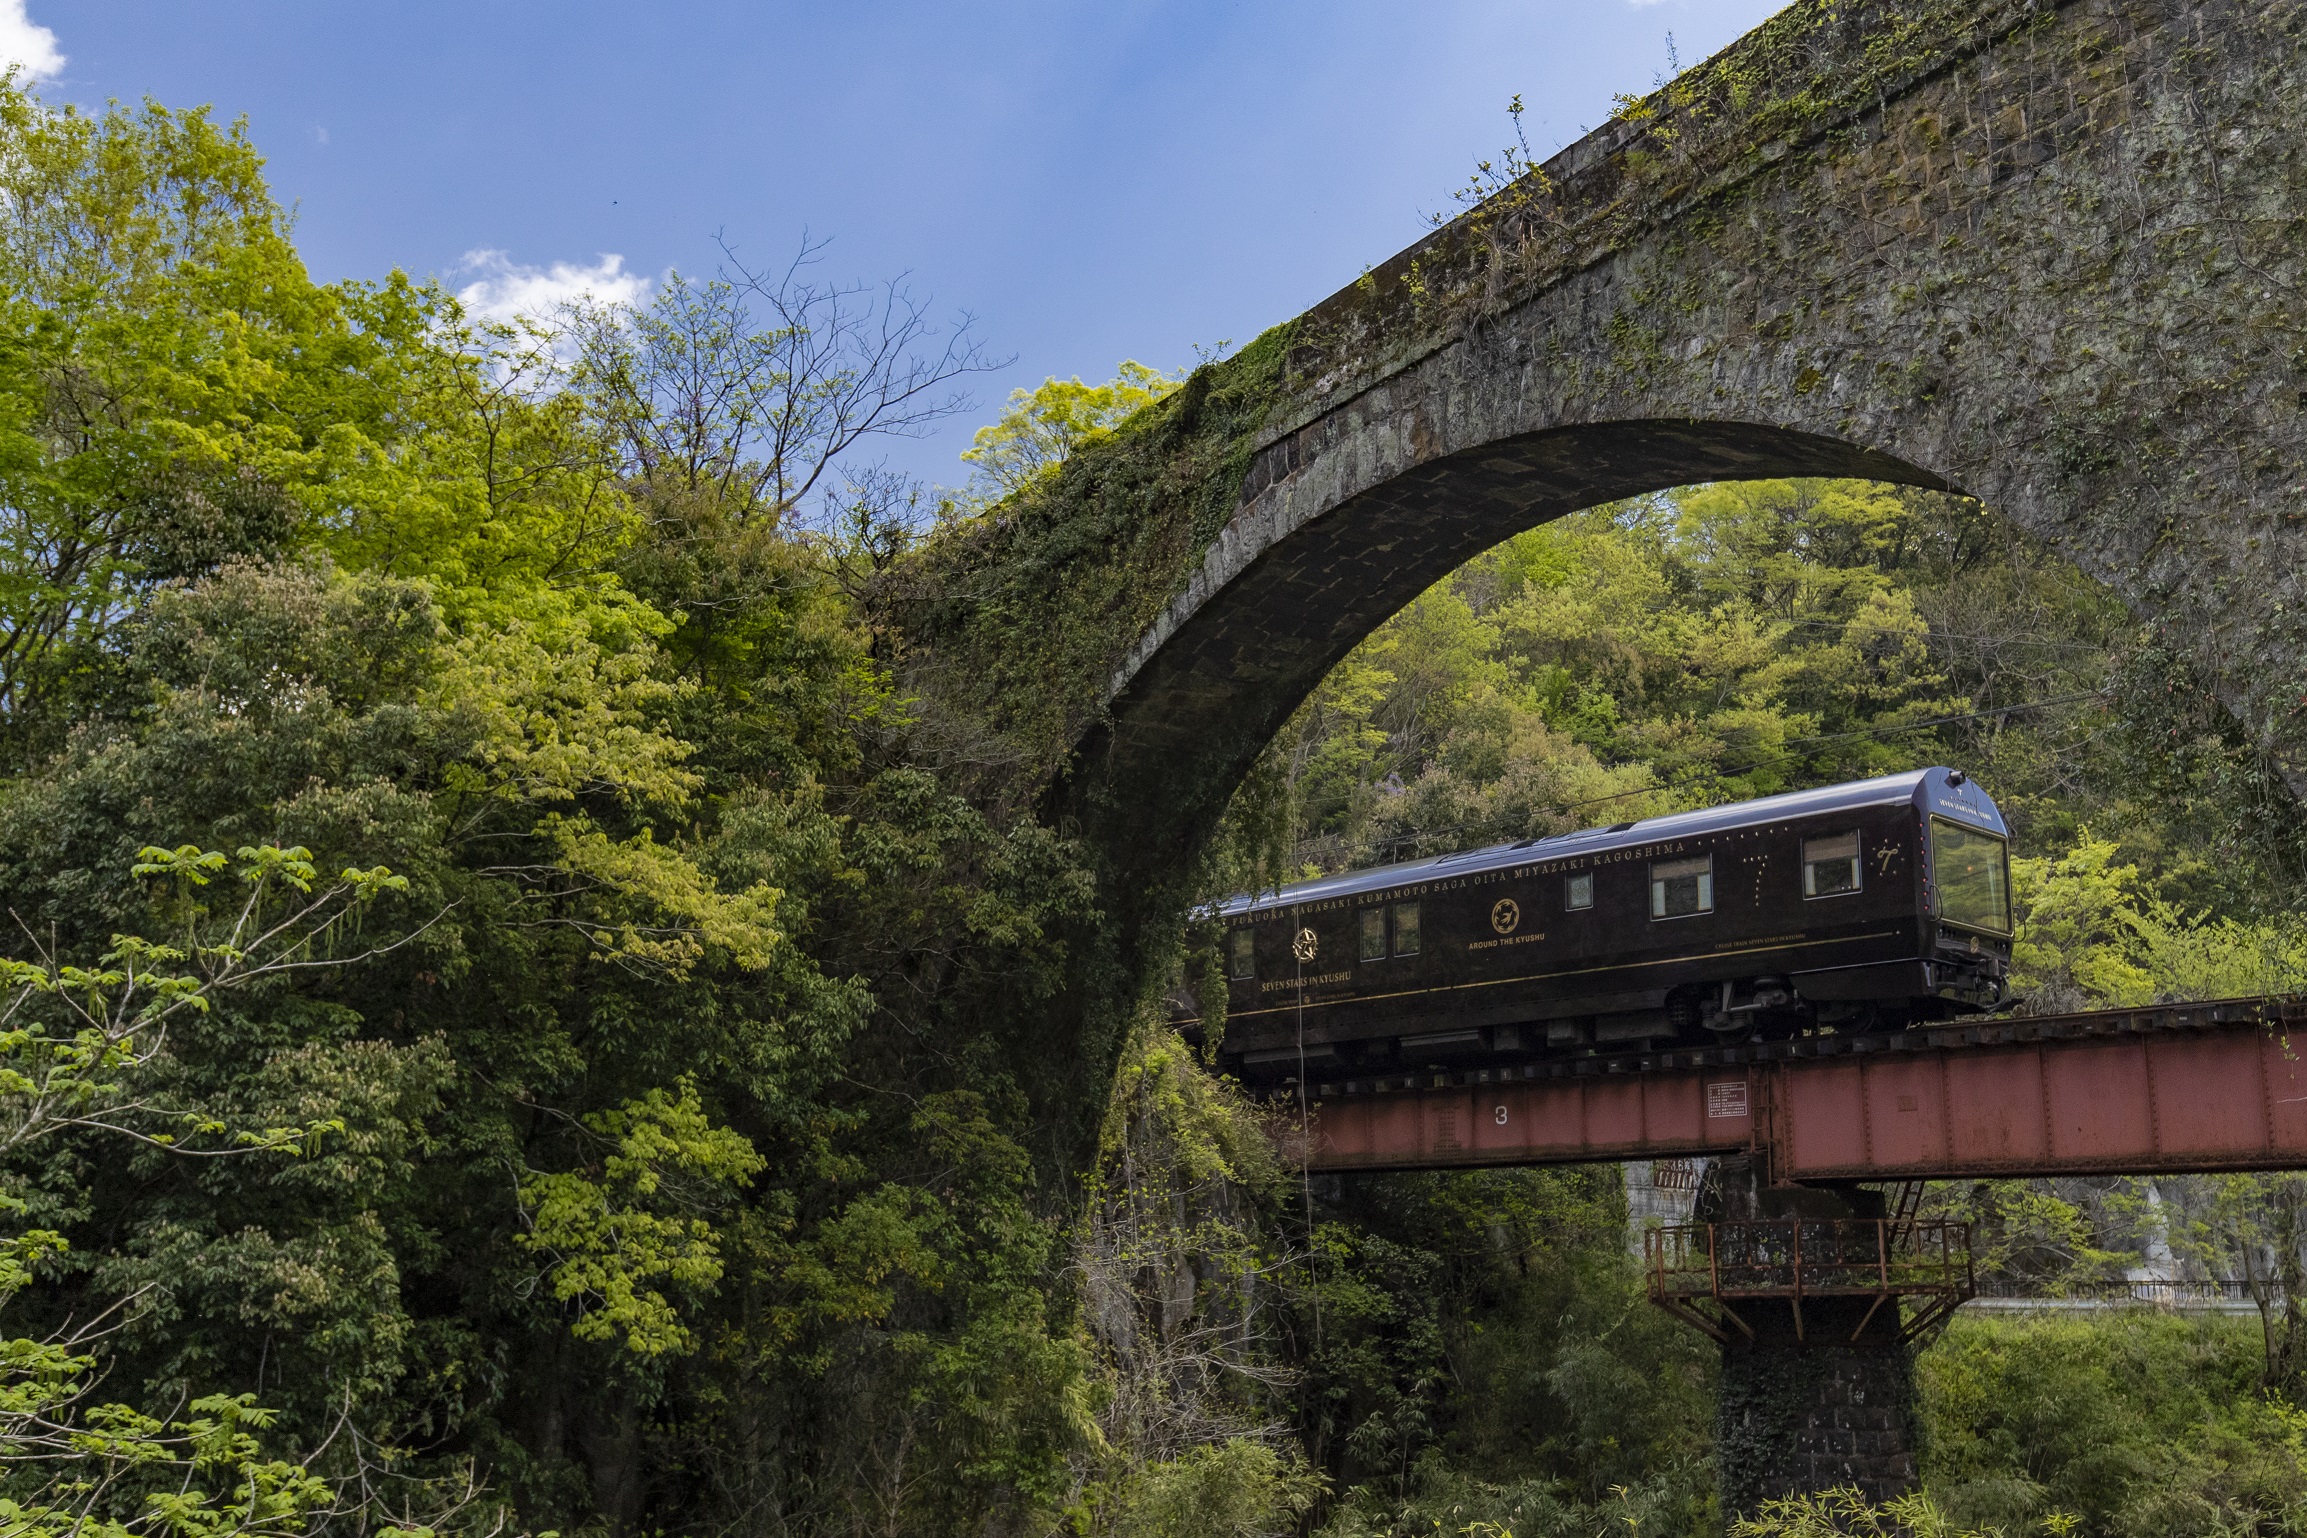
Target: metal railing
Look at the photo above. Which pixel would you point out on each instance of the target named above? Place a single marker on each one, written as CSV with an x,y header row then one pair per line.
x,y
2162,1294
1704,1272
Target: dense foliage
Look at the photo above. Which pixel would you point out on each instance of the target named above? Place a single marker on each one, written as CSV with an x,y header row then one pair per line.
x,y
517,1021
676,1165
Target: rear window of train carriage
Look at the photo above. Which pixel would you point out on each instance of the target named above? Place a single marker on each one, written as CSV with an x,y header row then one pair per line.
x,y
1830,865
1679,888
1245,956
1578,891
1974,876
1373,934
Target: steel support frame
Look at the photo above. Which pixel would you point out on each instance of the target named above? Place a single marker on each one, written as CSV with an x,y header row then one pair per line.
x,y
1938,1284
2186,1089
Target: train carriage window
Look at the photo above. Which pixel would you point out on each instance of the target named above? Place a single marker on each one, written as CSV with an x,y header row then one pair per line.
x,y
1830,865
1405,929
1679,888
1578,891
1974,876
1245,957
1373,934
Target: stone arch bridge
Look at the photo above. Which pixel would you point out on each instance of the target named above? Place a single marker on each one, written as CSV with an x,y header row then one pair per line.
x,y
2049,253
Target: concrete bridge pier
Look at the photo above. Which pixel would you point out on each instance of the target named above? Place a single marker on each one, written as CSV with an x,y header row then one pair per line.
x,y
1817,1391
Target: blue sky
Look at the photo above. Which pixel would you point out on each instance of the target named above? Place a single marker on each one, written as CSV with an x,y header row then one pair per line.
x,y
1092,182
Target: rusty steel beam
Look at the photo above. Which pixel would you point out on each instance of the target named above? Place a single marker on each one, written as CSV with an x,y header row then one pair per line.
x,y
2146,1096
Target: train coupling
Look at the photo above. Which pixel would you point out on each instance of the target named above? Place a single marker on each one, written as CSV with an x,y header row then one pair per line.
x,y
1972,987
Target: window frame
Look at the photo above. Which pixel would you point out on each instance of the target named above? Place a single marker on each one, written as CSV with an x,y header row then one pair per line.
x,y
2002,843
1570,888
1857,865
1417,926
1242,965
1705,888
1362,951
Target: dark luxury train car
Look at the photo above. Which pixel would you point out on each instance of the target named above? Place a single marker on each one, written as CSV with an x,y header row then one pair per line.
x,y
1863,906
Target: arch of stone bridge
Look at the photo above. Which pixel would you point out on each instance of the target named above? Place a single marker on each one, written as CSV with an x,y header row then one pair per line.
x,y
1290,588
2052,253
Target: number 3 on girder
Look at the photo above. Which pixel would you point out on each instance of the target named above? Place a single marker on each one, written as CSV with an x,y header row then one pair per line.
x,y
1499,1116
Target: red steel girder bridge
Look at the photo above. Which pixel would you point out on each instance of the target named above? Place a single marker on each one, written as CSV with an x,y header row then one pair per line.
x,y
2165,1089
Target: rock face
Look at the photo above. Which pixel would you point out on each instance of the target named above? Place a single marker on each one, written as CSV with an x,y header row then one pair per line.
x,y
2051,253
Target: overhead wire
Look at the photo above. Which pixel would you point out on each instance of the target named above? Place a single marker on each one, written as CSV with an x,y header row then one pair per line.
x,y
1944,635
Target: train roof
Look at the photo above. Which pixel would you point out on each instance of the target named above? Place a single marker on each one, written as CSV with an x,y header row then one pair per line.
x,y
1934,789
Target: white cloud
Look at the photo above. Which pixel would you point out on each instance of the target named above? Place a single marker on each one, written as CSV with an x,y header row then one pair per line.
x,y
503,289
27,46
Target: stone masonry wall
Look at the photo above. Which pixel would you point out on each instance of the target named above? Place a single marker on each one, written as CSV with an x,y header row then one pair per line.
x,y
2061,268
1794,1416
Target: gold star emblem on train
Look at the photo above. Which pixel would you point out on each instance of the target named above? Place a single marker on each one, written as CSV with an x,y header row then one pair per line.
x,y
1505,915
1303,946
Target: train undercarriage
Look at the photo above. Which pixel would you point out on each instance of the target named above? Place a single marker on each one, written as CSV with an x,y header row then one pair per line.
x,y
1869,1000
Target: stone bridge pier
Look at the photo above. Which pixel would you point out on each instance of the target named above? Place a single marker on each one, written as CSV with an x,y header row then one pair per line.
x,y
1812,1400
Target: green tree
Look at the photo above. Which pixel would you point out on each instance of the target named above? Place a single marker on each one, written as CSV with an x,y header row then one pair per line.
x,y
743,392
2255,1226
156,314
1845,1513
1043,426
79,1046
176,394
2135,1422
2076,917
